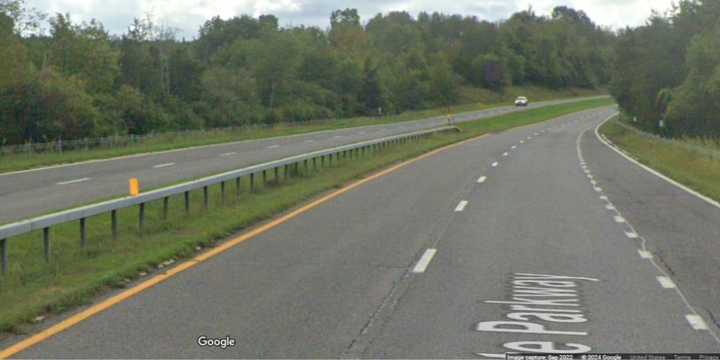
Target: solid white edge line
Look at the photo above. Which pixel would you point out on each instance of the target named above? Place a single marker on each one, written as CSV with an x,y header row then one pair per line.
x,y
424,261
650,170
461,206
696,322
73,181
666,282
694,318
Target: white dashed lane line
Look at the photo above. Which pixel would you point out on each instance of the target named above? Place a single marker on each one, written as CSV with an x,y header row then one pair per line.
x,y
160,166
424,261
694,319
273,146
482,179
495,164
514,147
666,282
461,206
228,154
73,181
506,154
696,322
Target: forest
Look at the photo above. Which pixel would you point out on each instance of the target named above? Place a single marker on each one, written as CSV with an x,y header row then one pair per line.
x,y
61,79
666,74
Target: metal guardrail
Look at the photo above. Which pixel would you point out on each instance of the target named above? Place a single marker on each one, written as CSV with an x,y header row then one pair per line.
x,y
112,206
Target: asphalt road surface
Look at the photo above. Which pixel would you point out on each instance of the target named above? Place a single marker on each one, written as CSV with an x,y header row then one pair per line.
x,y
27,194
536,239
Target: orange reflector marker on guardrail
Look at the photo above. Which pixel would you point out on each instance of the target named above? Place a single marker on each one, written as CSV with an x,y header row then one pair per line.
x,y
134,187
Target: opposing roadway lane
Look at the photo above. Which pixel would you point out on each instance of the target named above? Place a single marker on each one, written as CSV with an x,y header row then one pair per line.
x,y
505,243
38,192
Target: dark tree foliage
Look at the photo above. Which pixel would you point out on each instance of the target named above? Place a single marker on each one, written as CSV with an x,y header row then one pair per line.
x,y
669,69
78,81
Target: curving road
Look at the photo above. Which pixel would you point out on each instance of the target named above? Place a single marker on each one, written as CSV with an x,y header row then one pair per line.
x,y
538,238
38,192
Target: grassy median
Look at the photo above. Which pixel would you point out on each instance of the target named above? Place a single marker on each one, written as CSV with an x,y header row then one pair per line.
x,y
693,162
74,276
171,140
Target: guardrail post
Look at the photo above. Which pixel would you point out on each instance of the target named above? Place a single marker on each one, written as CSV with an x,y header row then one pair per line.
x,y
166,200
286,171
237,187
264,176
295,171
277,176
314,160
306,166
187,202
83,233
322,161
252,182
206,201
222,193
113,224
4,255
46,243
141,218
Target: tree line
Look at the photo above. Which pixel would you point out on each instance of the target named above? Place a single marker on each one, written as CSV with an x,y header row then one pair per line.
x,y
666,73
77,80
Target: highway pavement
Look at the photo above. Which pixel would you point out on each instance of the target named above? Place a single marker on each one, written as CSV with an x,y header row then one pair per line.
x,y
536,239
37,192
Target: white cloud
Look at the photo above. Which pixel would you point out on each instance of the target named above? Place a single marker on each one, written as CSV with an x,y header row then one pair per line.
x,y
188,15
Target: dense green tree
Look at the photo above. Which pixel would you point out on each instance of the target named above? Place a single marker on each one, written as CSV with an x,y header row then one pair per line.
x,y
77,80
668,69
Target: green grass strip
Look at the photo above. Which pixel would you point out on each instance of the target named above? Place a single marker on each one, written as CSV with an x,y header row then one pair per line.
x,y
692,162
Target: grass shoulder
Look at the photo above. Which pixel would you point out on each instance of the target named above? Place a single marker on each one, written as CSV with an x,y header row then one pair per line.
x,y
692,162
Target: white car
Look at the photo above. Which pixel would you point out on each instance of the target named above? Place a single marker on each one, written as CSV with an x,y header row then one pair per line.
x,y
521,101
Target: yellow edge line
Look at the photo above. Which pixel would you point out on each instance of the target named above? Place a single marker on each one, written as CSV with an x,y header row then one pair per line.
x,y
157,279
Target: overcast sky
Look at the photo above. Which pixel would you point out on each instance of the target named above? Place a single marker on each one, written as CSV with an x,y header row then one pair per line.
x,y
188,15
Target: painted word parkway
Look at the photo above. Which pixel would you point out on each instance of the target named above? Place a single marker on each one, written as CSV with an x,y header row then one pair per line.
x,y
541,304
